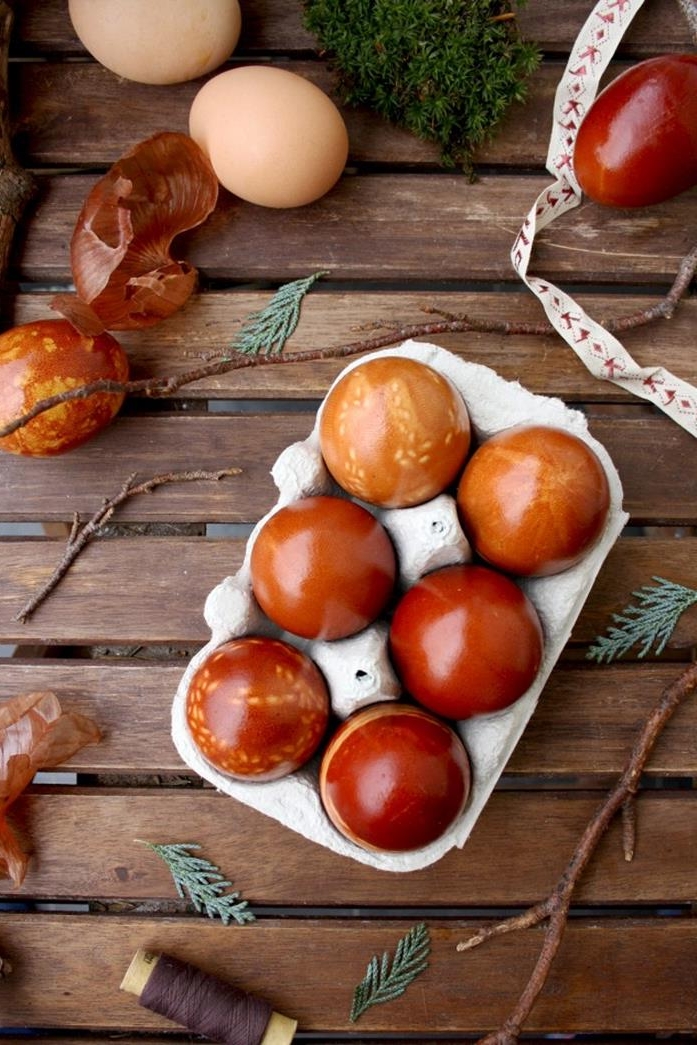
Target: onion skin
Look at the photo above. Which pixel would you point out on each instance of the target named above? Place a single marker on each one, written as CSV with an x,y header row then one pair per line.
x,y
466,640
637,145
394,778
120,253
533,500
45,358
257,708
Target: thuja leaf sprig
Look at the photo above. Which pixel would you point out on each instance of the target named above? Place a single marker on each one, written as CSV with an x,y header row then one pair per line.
x,y
266,332
649,623
202,883
386,980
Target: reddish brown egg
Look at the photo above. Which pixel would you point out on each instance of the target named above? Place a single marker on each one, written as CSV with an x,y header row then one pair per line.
x,y
394,778
257,708
394,432
322,567
47,357
533,500
465,640
637,144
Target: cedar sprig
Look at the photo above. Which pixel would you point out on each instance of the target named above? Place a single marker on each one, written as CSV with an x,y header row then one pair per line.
x,y
648,624
385,980
266,332
203,883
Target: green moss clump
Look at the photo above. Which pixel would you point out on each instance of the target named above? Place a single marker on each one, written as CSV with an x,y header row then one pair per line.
x,y
445,69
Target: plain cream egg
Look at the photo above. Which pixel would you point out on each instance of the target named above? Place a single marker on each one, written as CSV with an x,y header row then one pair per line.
x,y
158,41
272,137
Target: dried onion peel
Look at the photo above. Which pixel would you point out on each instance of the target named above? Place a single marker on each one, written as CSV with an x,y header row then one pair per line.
x,y
35,733
120,253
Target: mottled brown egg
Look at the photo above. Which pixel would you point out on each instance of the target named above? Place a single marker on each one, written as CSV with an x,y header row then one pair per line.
x,y
257,708
394,432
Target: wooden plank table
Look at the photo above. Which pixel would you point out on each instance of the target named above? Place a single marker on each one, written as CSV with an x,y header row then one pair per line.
x,y
396,233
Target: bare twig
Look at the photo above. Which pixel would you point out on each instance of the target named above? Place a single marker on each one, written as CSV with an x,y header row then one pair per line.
x,y
555,908
448,323
81,534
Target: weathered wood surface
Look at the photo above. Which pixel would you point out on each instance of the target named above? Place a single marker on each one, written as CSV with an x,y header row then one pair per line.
x,y
90,605
55,488
276,25
583,727
648,962
386,227
396,234
206,326
115,866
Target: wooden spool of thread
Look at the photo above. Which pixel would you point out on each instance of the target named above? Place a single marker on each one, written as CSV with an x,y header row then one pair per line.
x,y
204,1004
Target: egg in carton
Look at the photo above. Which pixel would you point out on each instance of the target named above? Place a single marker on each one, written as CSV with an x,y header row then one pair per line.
x,y
357,669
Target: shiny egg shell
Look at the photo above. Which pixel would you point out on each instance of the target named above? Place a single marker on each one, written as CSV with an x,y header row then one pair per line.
x,y
273,138
394,432
257,708
466,640
394,778
533,500
322,567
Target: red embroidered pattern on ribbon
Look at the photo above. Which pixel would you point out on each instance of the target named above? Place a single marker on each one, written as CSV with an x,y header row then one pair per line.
x,y
602,353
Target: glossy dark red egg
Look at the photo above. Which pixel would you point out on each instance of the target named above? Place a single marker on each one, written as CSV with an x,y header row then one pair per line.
x,y
466,640
637,144
394,778
322,567
257,708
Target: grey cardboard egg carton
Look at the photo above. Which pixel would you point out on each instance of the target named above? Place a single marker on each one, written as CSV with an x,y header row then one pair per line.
x,y
357,669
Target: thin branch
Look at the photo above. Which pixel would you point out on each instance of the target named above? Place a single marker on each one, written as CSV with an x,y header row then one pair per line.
x,y
81,535
554,908
448,324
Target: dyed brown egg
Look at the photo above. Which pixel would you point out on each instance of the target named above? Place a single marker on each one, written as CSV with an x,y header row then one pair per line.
x,y
466,640
533,500
322,567
394,432
257,708
394,778
45,358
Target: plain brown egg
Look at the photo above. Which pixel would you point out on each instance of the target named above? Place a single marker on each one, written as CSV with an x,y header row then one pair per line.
x,y
533,500
158,41
394,432
394,778
272,137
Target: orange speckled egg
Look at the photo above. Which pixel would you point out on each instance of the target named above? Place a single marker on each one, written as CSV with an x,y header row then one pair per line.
x,y
257,708
394,432
45,358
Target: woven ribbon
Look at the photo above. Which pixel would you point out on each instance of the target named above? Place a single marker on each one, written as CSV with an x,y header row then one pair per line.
x,y
602,353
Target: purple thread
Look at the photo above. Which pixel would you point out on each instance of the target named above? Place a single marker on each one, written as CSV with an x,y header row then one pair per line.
x,y
204,1004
